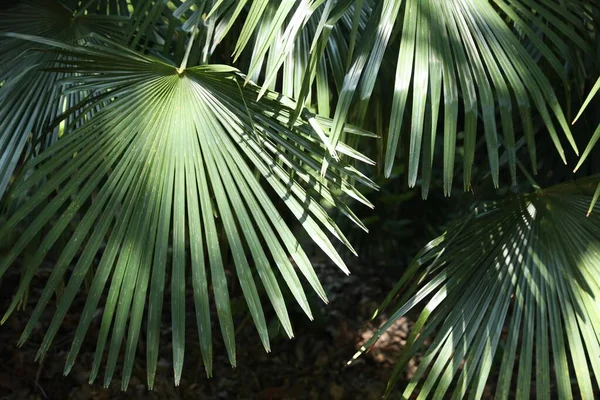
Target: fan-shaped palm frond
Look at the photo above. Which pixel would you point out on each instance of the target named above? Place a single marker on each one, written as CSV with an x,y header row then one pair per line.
x,y
465,53
530,264
29,99
169,161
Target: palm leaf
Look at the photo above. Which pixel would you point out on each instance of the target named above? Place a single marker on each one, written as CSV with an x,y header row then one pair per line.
x,y
172,159
464,47
528,264
593,139
163,27
101,7
29,99
596,134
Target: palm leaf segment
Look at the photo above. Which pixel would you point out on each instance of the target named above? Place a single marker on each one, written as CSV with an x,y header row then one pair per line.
x,y
171,159
29,99
529,264
302,41
593,139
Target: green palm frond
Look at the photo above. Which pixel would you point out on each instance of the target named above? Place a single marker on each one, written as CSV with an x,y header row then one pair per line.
x,y
266,19
528,264
101,7
165,26
313,59
593,139
596,134
175,157
29,99
280,38
463,57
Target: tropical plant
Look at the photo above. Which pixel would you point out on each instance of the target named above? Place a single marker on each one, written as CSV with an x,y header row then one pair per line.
x,y
530,263
147,141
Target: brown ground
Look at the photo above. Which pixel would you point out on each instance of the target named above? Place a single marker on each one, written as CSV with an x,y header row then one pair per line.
x,y
311,366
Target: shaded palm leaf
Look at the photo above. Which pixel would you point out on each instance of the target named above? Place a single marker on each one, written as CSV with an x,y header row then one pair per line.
x,y
29,99
164,25
101,7
163,28
528,264
171,160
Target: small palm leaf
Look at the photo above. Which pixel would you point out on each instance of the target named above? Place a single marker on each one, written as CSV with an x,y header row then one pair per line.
x,y
529,264
171,161
29,99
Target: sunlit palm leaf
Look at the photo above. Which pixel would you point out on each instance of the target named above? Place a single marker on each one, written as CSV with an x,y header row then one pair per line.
x,y
295,42
29,99
315,49
464,47
271,15
171,159
163,28
596,134
529,264
593,139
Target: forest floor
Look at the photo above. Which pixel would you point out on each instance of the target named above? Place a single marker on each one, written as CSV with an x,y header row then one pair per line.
x,y
310,366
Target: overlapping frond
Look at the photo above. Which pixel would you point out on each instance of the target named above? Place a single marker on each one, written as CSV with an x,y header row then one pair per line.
x,y
462,57
514,285
477,61
29,99
171,160
287,45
